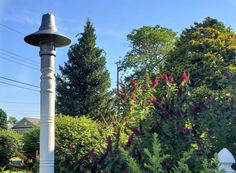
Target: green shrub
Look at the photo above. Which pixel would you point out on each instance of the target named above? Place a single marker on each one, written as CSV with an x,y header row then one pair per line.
x,y
80,134
70,132
10,145
31,143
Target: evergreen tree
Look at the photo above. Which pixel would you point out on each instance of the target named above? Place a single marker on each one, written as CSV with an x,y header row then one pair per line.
x,y
3,119
82,86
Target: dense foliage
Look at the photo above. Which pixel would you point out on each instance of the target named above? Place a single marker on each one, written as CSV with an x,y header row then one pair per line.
x,y
185,139
10,145
207,51
31,143
148,48
173,120
12,120
81,134
72,133
82,86
3,119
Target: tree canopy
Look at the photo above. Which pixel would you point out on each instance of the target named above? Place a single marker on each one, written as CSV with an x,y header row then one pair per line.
x,y
12,120
82,85
148,47
207,51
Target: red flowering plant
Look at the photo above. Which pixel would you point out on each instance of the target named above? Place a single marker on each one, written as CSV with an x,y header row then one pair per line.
x,y
162,107
137,101
149,107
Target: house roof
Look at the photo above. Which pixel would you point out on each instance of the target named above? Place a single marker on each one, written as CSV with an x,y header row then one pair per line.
x,y
26,122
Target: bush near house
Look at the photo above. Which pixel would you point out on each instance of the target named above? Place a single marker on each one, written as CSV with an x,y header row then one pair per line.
x,y
10,145
72,133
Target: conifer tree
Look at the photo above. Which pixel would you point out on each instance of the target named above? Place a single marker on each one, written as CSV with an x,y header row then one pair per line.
x,y
82,85
3,119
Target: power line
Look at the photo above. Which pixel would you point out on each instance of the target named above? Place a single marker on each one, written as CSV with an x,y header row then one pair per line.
x,y
13,102
12,29
19,86
19,58
22,111
30,59
19,63
12,80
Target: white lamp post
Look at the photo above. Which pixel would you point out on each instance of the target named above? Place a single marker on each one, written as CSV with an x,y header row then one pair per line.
x,y
47,39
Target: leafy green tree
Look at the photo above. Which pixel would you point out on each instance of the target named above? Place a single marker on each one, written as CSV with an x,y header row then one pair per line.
x,y
3,119
12,120
207,52
82,86
149,46
10,145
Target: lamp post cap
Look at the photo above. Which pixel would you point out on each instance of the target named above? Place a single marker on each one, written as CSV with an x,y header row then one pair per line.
x,y
47,34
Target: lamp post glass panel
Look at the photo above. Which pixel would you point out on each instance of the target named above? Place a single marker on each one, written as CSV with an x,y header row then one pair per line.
x,y
47,38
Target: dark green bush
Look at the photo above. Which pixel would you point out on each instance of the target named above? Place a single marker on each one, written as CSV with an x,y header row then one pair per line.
x,y
10,145
31,142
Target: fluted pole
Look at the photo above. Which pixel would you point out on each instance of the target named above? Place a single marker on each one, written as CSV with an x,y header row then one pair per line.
x,y
47,38
47,109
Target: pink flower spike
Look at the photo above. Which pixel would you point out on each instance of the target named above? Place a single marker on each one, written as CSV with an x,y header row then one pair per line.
x,y
122,96
154,83
165,77
184,77
134,84
171,79
133,96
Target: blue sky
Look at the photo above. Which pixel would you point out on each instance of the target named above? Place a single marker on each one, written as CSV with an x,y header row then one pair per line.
x,y
113,20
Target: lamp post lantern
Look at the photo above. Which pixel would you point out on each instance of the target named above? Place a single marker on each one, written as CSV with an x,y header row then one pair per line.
x,y
47,38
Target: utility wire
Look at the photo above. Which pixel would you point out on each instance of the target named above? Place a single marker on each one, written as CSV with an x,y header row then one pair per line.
x,y
20,33
23,113
12,29
19,58
12,102
19,63
18,86
12,80
30,59
24,64
11,110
